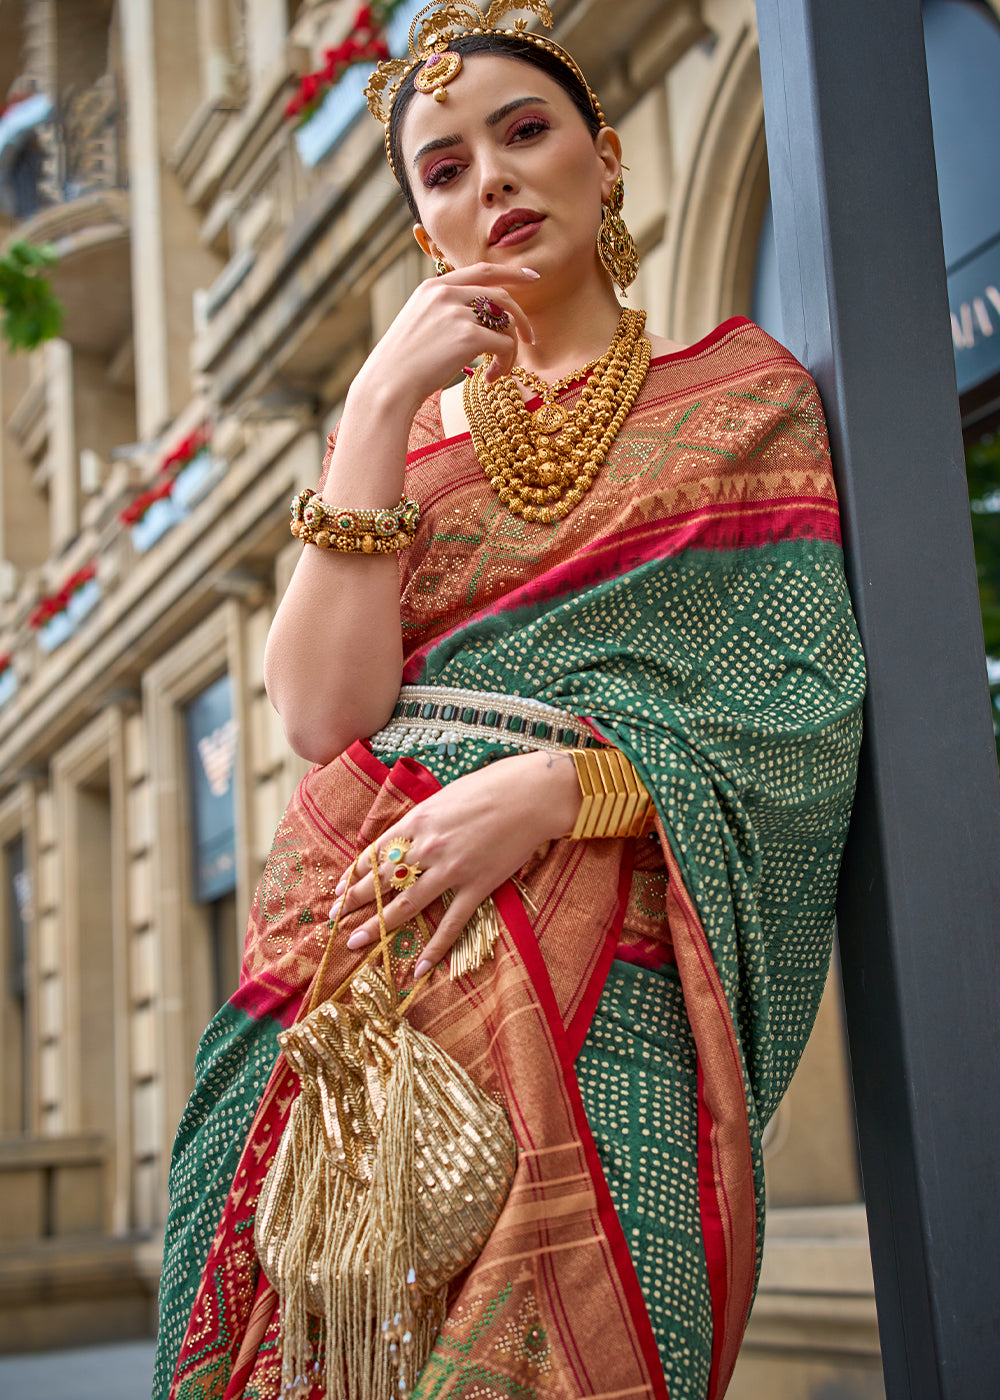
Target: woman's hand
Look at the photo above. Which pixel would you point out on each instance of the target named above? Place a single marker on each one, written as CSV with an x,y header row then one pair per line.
x,y
438,332
469,837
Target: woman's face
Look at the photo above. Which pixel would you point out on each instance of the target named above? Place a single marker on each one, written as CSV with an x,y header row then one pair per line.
x,y
505,170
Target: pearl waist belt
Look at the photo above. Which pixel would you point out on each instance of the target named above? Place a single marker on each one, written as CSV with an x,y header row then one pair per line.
x,y
437,714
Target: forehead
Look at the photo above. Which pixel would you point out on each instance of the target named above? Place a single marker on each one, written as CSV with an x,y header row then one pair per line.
x,y
485,83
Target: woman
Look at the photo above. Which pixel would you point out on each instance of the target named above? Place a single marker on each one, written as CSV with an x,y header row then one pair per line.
x,y
674,592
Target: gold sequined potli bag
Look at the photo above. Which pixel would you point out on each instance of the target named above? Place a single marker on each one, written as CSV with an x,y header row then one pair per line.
x,y
389,1177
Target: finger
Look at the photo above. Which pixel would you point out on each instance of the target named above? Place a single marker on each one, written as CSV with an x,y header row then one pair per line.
x,y
362,892
347,881
498,366
459,912
396,913
488,274
521,327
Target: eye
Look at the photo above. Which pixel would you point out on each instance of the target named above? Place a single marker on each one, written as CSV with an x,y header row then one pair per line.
x,y
527,127
440,173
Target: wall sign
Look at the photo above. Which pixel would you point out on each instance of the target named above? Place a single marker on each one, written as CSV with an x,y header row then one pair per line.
x,y
974,300
212,734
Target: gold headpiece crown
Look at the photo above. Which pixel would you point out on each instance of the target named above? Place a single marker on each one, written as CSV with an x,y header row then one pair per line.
x,y
433,29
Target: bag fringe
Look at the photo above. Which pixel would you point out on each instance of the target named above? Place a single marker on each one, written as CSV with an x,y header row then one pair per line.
x,y
355,1246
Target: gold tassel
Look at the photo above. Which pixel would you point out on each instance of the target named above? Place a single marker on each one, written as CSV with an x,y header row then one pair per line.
x,y
476,942
350,1244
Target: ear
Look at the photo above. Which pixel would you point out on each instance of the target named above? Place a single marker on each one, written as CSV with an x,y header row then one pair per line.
x,y
423,238
608,146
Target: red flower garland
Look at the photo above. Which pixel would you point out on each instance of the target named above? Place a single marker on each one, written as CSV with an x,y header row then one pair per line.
x,y
366,43
187,449
136,509
52,604
173,463
9,107
5,659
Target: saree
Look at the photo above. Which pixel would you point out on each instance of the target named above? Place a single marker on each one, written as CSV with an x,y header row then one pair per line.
x,y
692,611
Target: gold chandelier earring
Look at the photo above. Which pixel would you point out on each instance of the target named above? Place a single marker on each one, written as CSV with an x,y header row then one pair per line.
x,y
440,266
615,245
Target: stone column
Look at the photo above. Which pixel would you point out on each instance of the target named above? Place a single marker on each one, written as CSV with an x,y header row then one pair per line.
x,y
164,82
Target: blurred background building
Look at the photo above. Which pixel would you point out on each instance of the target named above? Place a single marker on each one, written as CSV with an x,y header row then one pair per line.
x,y
224,269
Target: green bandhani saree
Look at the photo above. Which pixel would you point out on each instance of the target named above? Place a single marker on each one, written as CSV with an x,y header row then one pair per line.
x,y
648,1000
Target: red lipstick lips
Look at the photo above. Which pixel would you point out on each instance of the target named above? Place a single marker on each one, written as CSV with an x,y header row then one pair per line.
x,y
514,227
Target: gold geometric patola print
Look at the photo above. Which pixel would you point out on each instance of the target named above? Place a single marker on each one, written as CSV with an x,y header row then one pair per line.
x,y
707,424
516,1356
496,537
283,873
645,451
505,537
803,410
649,893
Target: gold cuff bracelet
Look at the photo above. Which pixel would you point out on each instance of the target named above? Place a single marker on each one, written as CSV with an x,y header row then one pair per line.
x,y
614,801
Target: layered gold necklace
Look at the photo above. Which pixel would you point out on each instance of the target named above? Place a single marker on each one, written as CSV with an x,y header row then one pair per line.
x,y
541,463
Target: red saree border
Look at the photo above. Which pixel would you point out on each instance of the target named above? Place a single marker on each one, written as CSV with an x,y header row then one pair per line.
x,y
269,1119
509,904
576,1031
733,526
725,1157
264,1303
712,1230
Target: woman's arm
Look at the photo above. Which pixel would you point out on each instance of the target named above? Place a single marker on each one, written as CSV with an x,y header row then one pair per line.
x,y
333,660
334,652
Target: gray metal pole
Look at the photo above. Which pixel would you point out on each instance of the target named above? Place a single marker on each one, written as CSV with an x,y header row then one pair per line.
x,y
864,304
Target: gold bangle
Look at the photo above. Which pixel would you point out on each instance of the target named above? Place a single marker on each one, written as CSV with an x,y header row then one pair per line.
x,y
614,801
381,531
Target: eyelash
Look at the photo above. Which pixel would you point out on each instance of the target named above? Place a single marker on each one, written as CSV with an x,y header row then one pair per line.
x,y
523,129
529,126
439,174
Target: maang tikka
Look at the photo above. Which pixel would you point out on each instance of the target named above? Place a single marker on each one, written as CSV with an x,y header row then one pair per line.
x,y
434,64
615,245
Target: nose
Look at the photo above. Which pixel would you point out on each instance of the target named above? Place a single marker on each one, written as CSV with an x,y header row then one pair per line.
x,y
489,193
494,180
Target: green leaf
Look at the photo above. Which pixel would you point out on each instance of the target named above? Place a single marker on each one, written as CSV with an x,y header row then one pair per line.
x,y
32,312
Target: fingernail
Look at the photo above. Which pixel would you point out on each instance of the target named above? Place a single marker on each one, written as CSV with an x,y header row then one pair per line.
x,y
424,965
530,272
340,886
358,940
531,336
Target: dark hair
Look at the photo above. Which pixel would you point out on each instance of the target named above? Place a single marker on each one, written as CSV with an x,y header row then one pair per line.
x,y
503,46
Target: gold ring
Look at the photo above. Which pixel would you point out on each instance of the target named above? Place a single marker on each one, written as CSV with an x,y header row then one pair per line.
x,y
489,314
403,875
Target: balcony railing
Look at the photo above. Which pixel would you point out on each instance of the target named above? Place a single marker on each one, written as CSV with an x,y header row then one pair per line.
x,y
54,152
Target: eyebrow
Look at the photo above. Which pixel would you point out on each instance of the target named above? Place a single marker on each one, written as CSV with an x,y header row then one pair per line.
x,y
494,119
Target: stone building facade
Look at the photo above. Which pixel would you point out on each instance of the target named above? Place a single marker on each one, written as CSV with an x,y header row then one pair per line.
x,y
220,268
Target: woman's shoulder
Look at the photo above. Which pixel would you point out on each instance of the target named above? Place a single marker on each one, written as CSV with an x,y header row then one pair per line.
x,y
660,345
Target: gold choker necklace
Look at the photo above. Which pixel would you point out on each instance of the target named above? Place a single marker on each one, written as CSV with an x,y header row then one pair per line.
x,y
542,463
